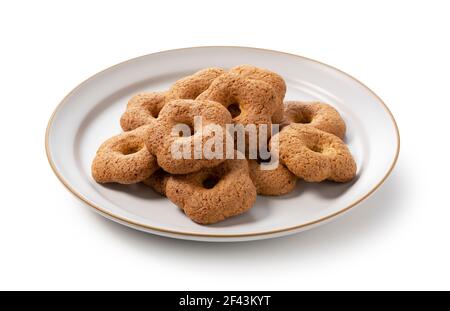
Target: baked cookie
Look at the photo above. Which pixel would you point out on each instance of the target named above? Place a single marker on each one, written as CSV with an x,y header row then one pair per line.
x,y
145,107
249,101
165,138
273,79
124,158
317,114
192,86
213,194
314,155
142,109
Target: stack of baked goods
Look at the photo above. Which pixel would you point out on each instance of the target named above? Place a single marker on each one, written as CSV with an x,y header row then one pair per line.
x,y
209,189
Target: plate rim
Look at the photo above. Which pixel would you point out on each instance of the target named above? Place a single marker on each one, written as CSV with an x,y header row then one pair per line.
x,y
146,228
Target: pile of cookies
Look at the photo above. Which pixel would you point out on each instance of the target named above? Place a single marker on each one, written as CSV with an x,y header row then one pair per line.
x,y
309,145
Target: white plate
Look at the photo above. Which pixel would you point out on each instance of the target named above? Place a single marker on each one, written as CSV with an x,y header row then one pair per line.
x,y
90,114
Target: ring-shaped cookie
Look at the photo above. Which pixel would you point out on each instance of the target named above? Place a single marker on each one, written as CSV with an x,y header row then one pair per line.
x,y
214,194
165,138
317,114
249,101
124,158
145,107
314,155
275,80
142,109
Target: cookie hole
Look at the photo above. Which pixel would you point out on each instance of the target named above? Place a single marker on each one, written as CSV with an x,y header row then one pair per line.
x,y
234,110
132,150
155,114
316,148
210,181
302,118
191,129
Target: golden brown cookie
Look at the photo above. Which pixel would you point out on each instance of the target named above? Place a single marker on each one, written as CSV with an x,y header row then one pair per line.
x,y
274,182
158,181
249,101
319,115
142,109
214,194
145,107
314,155
275,80
124,158
192,86
163,140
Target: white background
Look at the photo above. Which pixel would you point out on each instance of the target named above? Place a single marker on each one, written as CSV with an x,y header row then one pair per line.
x,y
397,239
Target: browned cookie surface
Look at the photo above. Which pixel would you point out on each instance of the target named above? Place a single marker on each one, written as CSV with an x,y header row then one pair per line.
x,y
124,158
317,114
314,155
158,181
249,101
192,86
214,194
277,181
144,107
272,78
180,155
